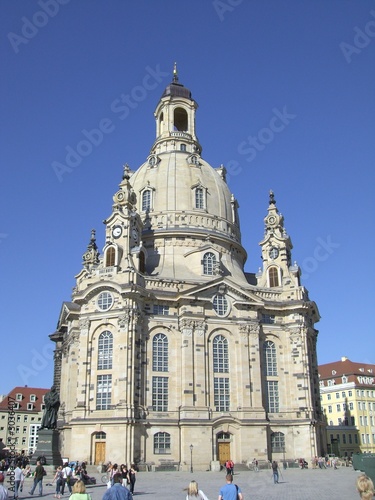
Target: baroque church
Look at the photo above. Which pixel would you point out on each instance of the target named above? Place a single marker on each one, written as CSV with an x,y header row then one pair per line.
x,y
169,352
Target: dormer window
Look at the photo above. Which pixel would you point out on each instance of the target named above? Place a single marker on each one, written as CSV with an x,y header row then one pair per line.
x,y
199,198
18,397
146,200
32,398
30,406
209,263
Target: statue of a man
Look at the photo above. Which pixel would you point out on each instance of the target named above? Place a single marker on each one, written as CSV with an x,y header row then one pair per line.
x,y
52,402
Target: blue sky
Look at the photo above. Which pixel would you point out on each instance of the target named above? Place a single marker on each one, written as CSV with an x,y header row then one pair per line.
x,y
67,65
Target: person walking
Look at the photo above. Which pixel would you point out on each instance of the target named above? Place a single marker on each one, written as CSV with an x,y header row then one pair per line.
x,y
59,482
194,493
67,475
18,479
132,473
124,475
275,472
230,491
38,478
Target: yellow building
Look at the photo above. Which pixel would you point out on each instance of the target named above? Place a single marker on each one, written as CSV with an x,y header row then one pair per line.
x,y
21,412
347,392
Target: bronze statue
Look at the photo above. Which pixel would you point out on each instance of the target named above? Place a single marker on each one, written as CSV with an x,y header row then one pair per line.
x,y
52,402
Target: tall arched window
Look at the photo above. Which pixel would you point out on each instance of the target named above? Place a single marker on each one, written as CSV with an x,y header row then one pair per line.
x,y
209,263
273,276
270,359
221,369
146,200
105,351
110,257
220,354
160,353
270,370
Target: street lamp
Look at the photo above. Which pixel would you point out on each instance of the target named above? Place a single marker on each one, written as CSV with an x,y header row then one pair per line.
x,y
191,458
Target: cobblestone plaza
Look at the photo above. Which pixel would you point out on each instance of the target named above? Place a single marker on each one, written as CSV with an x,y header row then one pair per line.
x,y
294,483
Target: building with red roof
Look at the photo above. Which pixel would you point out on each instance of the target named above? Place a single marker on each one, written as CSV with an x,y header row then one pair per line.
x,y
21,412
347,392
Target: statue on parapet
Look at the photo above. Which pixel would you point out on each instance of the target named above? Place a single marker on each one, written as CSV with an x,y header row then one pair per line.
x,y
52,405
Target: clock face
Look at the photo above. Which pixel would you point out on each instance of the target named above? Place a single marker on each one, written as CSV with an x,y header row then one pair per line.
x,y
271,219
116,231
273,253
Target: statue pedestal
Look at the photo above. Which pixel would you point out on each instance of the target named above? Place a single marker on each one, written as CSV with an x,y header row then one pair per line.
x,y
48,447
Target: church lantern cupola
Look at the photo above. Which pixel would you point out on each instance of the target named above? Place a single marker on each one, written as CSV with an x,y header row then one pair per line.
x,y
175,120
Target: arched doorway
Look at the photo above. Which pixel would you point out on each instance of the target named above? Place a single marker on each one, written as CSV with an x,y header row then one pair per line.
x,y
223,447
99,444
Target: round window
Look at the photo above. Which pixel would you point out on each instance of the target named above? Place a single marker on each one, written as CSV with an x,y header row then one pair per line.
x,y
105,301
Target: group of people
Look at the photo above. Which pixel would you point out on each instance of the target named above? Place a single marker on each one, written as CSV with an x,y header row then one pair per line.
x,y
121,475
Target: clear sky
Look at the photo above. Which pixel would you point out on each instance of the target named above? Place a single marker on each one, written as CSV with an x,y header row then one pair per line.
x,y
286,102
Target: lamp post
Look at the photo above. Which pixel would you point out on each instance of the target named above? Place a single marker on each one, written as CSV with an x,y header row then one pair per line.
x,y
191,458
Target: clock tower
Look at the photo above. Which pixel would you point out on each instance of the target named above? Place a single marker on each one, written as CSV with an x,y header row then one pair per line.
x,y
276,252
124,229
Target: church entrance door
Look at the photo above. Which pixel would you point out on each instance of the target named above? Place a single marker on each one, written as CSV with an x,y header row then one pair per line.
x,y
224,452
99,453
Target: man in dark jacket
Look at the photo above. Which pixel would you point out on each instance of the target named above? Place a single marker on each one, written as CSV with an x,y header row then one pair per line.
x,y
38,479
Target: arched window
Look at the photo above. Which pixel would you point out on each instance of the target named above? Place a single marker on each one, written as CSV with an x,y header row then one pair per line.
x,y
209,263
162,443
277,442
199,197
110,257
180,120
160,353
273,276
146,200
220,354
270,361
221,370
105,351
220,304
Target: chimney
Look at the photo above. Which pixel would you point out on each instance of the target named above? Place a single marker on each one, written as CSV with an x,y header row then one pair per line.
x,y
344,358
